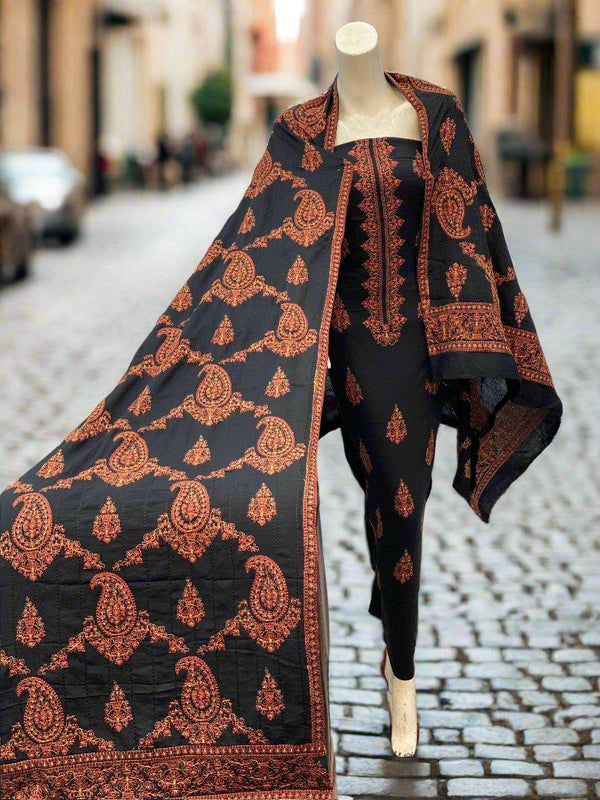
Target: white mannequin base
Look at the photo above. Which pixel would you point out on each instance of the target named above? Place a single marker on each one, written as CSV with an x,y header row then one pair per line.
x,y
402,705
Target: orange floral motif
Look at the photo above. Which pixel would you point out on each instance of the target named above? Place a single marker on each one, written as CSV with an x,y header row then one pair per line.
x,y
117,709
451,194
364,456
488,215
189,528
311,218
53,466
520,307
183,299
30,627
403,571
310,221
15,666
190,606
340,319
292,336
269,615
267,172
262,507
143,402
403,502
98,420
35,540
248,222
240,282
353,391
276,446
199,453
311,158
172,350
447,133
128,463
278,385
213,401
118,628
224,332
430,449
200,715
456,275
46,731
396,427
269,700
509,276
107,525
297,273
378,577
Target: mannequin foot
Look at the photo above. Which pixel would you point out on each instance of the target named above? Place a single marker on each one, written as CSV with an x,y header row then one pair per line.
x,y
402,703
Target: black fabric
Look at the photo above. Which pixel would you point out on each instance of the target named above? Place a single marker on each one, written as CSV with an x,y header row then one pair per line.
x,y
389,408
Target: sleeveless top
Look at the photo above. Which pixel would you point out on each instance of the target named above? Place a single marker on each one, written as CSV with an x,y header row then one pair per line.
x,y
378,267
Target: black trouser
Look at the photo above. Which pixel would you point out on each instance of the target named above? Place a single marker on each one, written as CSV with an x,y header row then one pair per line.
x,y
390,414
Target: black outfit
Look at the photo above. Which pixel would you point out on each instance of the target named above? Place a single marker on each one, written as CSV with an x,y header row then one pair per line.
x,y
390,410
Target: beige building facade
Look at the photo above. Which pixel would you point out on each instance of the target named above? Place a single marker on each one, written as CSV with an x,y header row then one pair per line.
x,y
88,74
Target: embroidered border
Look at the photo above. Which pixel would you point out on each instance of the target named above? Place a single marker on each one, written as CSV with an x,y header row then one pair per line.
x,y
465,326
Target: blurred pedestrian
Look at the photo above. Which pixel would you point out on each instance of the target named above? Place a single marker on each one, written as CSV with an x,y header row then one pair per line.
x,y
163,154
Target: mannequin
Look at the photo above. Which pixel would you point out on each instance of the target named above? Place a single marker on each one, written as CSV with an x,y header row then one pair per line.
x,y
370,107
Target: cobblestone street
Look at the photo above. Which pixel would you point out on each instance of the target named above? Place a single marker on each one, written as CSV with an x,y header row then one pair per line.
x,y
508,658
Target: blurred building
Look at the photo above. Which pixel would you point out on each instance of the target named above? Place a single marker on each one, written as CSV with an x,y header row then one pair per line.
x,y
506,61
46,75
86,75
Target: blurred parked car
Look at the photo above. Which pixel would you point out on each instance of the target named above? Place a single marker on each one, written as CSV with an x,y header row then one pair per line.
x,y
16,240
54,191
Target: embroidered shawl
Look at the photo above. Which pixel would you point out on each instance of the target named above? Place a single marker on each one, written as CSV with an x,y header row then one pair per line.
x,y
163,628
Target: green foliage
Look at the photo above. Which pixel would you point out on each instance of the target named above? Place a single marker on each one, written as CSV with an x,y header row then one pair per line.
x,y
212,99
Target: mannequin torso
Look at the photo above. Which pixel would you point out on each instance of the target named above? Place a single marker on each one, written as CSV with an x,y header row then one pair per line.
x,y
369,105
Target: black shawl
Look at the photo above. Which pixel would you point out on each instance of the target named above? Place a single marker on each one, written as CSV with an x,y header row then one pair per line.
x,y
163,620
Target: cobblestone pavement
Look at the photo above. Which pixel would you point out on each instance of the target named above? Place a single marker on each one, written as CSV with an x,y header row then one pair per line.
x,y
508,659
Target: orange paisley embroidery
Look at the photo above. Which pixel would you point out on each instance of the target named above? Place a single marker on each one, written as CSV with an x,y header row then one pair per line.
x,y
190,527
451,195
200,715
35,540
46,731
118,628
